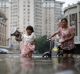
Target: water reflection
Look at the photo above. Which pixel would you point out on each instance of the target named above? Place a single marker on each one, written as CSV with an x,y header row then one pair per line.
x,y
66,65
14,64
43,66
4,68
27,65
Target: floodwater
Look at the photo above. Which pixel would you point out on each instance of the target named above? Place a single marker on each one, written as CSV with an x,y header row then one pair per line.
x,y
14,64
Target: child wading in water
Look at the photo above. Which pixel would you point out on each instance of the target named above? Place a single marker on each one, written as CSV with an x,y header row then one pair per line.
x,y
28,42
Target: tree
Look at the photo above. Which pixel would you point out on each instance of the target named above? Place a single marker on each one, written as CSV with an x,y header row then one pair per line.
x,y
42,44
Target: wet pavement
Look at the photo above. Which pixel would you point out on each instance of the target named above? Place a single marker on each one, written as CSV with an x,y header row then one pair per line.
x,y
14,64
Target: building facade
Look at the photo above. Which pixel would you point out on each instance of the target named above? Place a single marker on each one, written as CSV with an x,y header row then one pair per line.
x,y
72,13
4,9
2,29
13,21
52,13
21,14
26,13
38,17
47,15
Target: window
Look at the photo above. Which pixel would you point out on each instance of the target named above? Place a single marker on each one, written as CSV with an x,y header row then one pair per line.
x,y
23,5
28,5
28,2
28,20
28,12
28,9
24,9
73,21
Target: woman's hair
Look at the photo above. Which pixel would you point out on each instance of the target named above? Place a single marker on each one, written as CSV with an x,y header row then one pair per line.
x,y
30,28
64,19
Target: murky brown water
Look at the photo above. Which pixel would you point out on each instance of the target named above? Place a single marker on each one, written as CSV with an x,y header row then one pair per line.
x,y
14,64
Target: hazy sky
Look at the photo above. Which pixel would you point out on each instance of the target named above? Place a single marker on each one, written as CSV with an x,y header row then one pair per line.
x,y
68,2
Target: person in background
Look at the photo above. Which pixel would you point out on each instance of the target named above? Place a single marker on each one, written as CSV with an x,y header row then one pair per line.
x,y
28,42
67,34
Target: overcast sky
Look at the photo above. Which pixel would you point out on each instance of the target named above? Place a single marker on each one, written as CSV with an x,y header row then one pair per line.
x,y
68,2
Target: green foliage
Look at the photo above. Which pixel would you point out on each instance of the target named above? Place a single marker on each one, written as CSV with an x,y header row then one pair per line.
x,y
42,44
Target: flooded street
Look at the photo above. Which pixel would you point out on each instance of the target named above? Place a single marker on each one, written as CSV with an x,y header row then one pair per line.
x,y
14,64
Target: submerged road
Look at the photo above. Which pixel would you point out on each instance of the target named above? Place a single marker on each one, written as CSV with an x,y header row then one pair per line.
x,y
14,64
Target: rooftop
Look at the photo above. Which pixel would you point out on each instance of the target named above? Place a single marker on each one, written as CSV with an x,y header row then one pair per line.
x,y
71,6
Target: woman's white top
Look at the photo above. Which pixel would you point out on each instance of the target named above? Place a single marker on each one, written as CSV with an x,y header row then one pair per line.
x,y
28,38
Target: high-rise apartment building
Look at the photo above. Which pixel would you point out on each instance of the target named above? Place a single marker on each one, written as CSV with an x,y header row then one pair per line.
x,y
52,13
14,20
38,17
26,13
21,14
48,13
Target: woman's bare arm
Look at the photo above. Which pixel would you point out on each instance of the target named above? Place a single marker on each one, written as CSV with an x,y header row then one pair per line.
x,y
54,34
